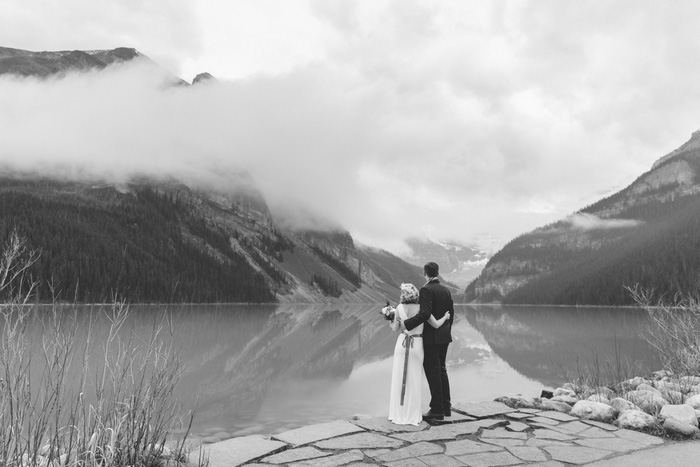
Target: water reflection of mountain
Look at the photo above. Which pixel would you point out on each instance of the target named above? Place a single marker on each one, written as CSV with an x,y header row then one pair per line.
x,y
542,342
233,354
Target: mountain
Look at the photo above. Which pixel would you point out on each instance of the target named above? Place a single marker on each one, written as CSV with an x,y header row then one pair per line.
x,y
163,241
459,264
646,235
45,64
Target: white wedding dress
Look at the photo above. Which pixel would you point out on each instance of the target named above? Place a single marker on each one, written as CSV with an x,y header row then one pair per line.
x,y
410,412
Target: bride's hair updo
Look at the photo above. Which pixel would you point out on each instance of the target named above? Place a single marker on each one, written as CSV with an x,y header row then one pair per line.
x,y
409,294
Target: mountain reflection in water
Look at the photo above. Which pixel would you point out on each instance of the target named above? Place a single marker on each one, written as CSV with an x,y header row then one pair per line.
x,y
268,368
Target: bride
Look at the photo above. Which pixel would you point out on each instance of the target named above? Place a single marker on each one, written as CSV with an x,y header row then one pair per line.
x,y
407,372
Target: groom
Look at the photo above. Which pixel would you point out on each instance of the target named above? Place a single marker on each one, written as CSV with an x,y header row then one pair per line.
x,y
435,299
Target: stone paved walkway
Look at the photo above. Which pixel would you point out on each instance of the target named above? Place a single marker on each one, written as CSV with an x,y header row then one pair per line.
x,y
478,435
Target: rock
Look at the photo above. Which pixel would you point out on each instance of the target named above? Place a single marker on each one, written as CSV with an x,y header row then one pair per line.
x,y
662,374
636,419
547,404
632,384
649,388
565,392
590,410
566,399
571,387
621,404
689,381
519,402
599,398
681,412
693,401
646,400
678,427
546,394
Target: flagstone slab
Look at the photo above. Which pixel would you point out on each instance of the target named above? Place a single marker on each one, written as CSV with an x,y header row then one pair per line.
x,y
531,411
404,463
518,415
382,425
483,409
528,453
505,442
553,414
467,446
539,442
317,432
576,454
412,451
440,460
449,432
489,459
237,451
360,441
604,426
501,433
547,464
294,455
543,421
550,434
611,444
595,432
332,461
572,427
517,426
642,438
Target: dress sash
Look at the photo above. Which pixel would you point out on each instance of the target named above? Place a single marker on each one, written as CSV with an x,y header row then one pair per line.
x,y
408,345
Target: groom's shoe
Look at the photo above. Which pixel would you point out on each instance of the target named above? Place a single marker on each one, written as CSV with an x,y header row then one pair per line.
x,y
430,415
448,411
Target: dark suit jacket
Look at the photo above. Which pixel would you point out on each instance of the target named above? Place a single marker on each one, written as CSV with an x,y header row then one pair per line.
x,y
435,299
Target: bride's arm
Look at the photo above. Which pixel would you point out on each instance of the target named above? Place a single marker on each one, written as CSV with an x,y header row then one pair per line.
x,y
436,323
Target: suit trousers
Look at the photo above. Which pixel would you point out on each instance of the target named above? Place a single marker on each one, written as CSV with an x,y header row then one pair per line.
x,y
436,374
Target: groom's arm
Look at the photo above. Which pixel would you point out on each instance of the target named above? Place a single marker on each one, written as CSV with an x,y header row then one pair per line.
x,y
426,309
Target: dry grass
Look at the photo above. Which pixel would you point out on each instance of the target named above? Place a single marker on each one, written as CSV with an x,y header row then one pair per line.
x,y
62,406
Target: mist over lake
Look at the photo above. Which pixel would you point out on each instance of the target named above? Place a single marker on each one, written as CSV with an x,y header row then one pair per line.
x,y
268,368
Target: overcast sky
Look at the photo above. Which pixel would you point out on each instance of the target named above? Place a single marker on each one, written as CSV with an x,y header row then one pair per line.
x,y
471,121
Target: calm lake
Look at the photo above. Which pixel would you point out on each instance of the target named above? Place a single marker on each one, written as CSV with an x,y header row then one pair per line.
x,y
268,368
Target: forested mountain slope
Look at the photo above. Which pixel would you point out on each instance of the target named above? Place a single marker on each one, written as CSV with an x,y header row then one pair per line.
x,y
156,241
648,234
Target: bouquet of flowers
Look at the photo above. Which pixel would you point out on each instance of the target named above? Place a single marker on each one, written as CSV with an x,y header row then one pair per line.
x,y
388,312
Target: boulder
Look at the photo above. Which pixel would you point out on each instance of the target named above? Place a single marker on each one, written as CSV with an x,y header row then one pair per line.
x,y
564,392
547,404
631,384
681,412
636,419
678,427
621,404
693,401
566,399
590,410
649,388
646,400
661,374
599,398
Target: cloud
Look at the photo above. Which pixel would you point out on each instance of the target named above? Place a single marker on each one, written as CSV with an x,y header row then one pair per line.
x,y
462,120
585,221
